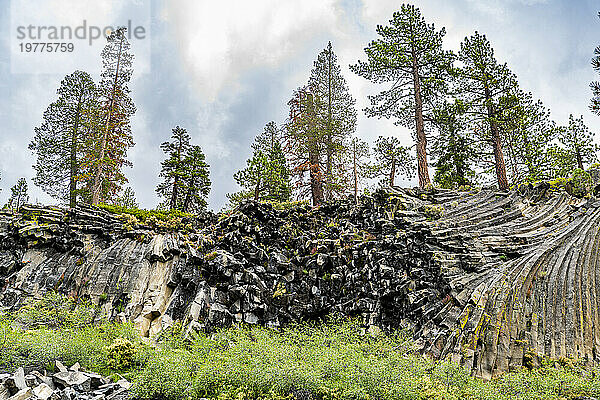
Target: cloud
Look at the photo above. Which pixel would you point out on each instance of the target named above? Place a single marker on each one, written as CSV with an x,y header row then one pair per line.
x,y
219,41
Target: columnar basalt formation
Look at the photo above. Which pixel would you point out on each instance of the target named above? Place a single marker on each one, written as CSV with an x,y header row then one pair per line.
x,y
487,278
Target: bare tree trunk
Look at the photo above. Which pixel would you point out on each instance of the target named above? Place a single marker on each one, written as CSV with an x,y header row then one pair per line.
x,y
499,158
175,191
512,158
97,188
579,159
329,180
316,182
423,172
174,194
497,144
314,156
188,197
257,190
529,157
73,159
355,173
393,171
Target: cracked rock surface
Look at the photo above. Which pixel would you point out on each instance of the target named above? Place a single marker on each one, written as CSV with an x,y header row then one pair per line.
x,y
482,277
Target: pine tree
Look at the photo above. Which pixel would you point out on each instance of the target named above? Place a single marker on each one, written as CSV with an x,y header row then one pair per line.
x,y
112,136
266,176
453,148
127,199
563,162
304,146
196,181
578,143
595,86
19,195
410,57
527,132
58,141
392,160
322,119
186,181
336,118
173,169
483,84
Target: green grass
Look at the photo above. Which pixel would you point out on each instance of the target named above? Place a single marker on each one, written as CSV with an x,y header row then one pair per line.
x,y
333,361
158,219
143,215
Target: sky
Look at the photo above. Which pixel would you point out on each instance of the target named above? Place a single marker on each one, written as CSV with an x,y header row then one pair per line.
x,y
223,69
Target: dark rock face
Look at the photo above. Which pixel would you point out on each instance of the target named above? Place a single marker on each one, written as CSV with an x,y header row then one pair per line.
x,y
482,277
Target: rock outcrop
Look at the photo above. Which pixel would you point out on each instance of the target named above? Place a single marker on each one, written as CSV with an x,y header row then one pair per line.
x,y
487,278
72,383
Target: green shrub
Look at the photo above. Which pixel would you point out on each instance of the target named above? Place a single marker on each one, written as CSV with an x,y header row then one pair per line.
x,y
580,184
286,205
159,219
55,311
432,212
120,354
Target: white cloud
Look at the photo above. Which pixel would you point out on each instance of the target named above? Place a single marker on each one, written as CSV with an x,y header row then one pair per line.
x,y
219,41
209,122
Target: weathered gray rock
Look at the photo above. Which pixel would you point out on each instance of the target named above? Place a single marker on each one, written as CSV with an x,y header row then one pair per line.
x,y
44,392
43,379
16,382
22,394
30,380
60,366
76,379
4,393
71,384
124,383
75,367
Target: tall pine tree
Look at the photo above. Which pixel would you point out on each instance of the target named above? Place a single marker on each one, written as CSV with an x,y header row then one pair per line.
x,y
112,136
173,168
482,85
322,120
58,141
196,181
409,56
304,146
527,132
336,118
